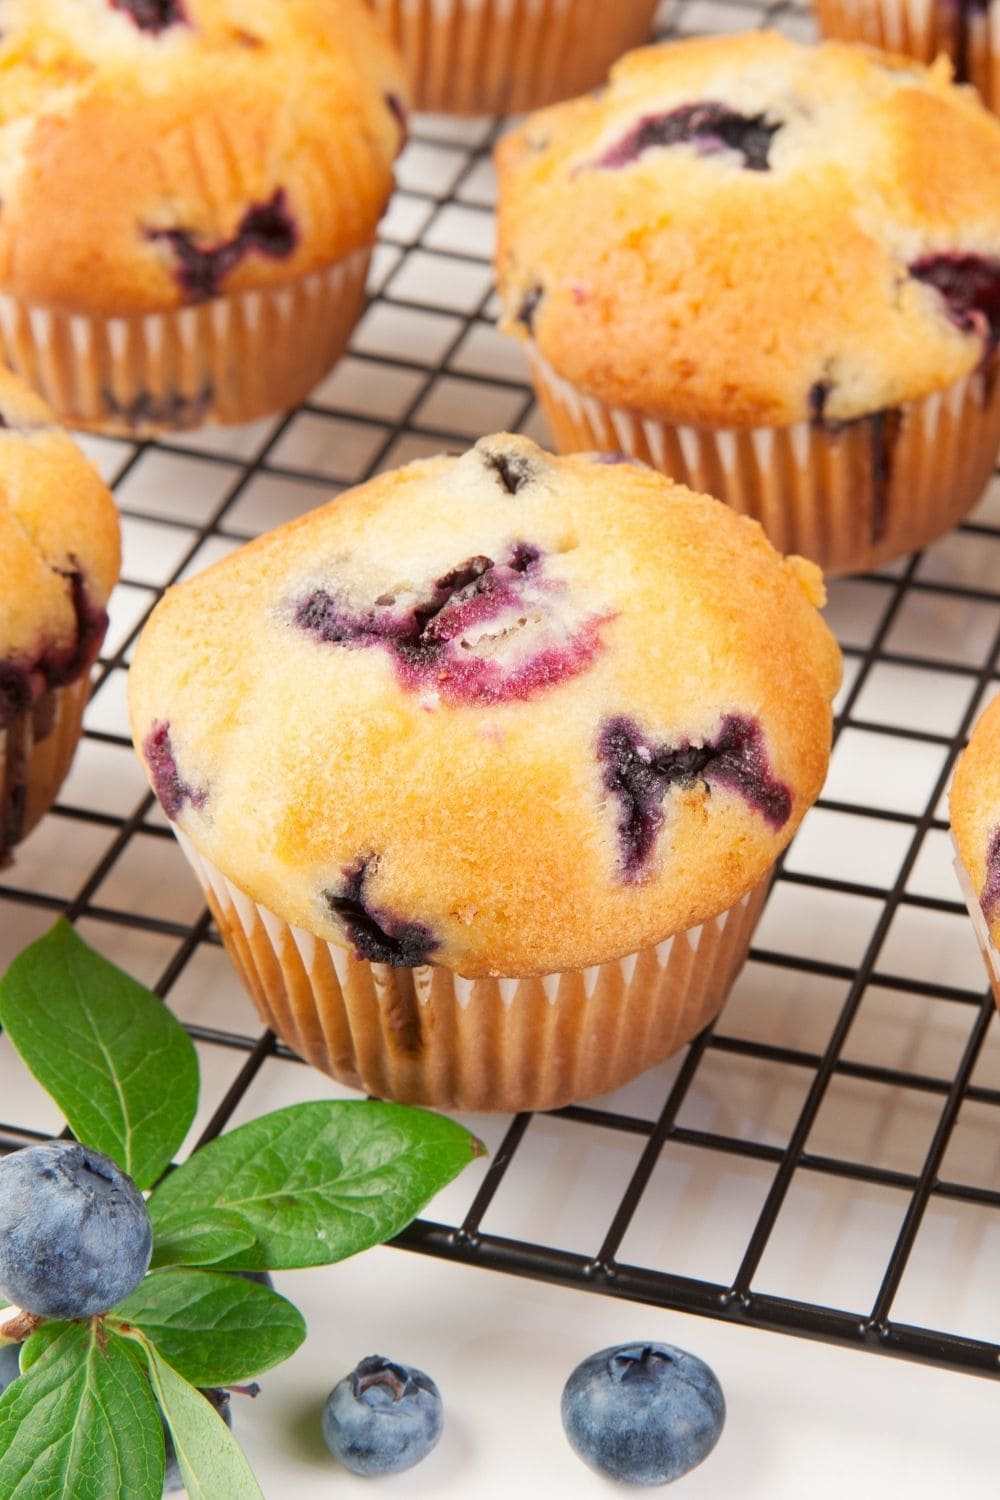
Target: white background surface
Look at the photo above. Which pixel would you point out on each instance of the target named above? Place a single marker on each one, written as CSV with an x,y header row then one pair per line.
x,y
806,1421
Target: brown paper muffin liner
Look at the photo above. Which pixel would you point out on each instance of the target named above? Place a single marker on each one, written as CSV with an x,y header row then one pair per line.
x,y
428,1036
968,33
503,56
36,750
981,927
230,359
849,496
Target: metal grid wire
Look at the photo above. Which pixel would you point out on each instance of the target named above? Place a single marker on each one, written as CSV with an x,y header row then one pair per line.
x,y
825,1160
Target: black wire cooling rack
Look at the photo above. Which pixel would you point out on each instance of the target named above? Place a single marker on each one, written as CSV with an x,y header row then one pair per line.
x,y
826,1160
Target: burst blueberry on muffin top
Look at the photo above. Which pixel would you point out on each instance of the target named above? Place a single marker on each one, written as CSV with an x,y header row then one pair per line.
x,y
505,712
59,554
158,153
742,231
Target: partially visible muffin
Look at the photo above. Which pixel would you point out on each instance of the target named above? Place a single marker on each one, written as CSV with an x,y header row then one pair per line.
x,y
974,802
190,193
773,271
485,765
966,31
59,560
469,58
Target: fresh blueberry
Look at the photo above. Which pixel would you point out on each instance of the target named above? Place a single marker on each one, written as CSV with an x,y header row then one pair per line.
x,y
172,1476
262,1278
643,1413
10,1365
75,1234
382,1418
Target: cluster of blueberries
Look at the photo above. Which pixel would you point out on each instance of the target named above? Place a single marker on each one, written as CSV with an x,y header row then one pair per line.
x,y
76,1238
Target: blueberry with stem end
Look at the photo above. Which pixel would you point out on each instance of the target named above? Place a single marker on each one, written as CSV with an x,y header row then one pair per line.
x,y
643,1413
75,1233
382,1418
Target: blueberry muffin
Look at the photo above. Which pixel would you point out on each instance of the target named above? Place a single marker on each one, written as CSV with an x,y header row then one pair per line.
x,y
966,31
468,57
190,193
774,272
484,767
975,825
59,560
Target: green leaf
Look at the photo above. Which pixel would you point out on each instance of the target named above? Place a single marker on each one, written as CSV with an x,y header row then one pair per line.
x,y
199,1242
211,1462
80,1420
213,1330
121,1068
317,1182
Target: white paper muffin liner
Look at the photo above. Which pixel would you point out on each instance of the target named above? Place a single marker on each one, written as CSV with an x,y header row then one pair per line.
x,y
504,56
230,359
36,750
429,1036
816,489
922,29
980,926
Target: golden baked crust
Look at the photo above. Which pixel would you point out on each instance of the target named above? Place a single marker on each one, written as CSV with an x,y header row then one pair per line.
x,y
209,145
419,713
702,284
974,804
59,552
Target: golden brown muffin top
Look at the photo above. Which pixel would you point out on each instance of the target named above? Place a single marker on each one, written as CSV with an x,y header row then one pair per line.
x,y
59,552
508,713
743,231
974,802
157,152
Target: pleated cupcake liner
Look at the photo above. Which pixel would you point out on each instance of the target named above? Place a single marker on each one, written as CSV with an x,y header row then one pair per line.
x,y
850,495
923,29
991,957
36,751
504,56
429,1036
230,359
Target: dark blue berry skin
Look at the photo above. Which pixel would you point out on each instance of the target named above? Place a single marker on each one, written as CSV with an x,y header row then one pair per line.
x,y
262,1278
75,1235
10,1365
382,1418
172,1475
643,1413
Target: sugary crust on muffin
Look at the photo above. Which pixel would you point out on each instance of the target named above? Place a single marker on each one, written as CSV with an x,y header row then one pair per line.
x,y
59,551
974,803
121,144
703,286
474,815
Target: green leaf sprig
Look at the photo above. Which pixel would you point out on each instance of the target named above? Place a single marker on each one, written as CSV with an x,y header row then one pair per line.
x,y
303,1186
